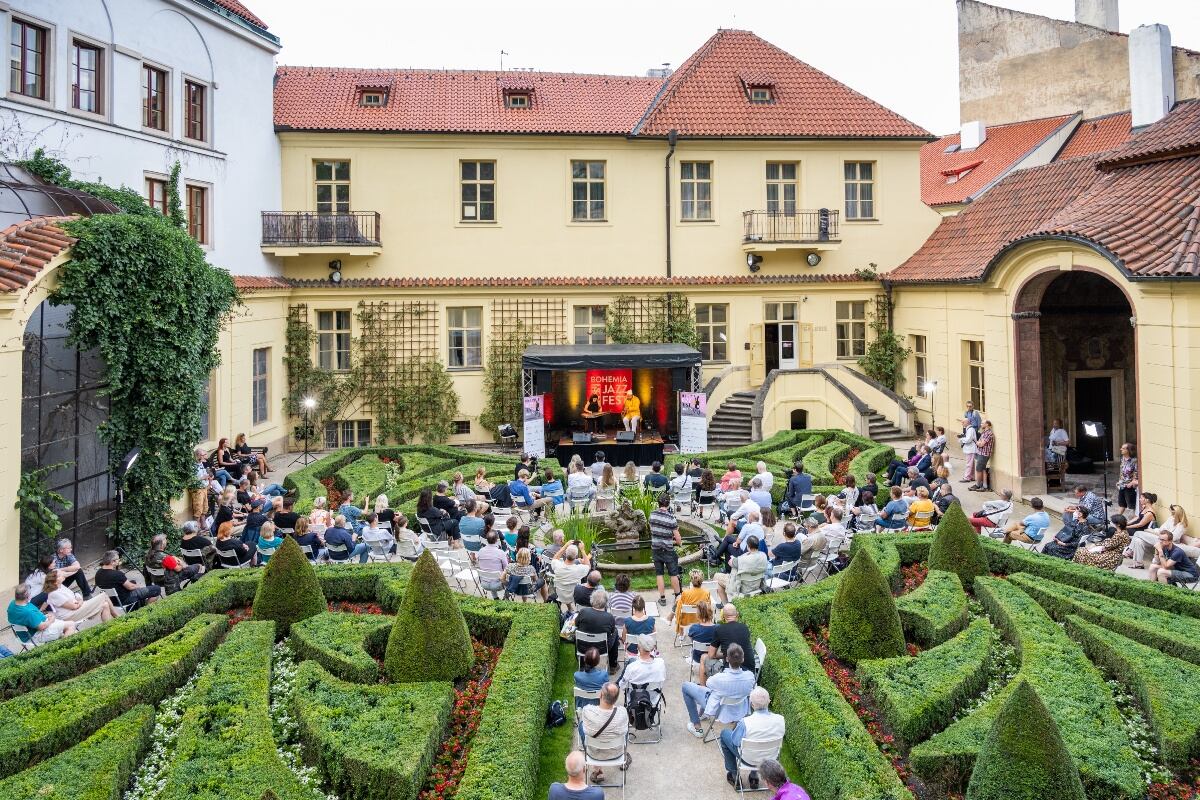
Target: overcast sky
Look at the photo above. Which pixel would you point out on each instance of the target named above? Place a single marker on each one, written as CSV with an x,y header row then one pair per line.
x,y
902,53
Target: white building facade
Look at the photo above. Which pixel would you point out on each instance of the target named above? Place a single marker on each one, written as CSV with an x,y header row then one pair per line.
x,y
119,90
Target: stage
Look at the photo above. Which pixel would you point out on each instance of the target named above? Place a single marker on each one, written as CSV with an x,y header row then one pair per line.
x,y
645,450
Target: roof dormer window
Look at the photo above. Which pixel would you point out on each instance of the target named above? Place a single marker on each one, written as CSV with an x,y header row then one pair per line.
x,y
761,95
516,99
372,99
759,87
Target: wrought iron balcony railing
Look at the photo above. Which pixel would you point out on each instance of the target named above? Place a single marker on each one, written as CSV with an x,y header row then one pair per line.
x,y
796,227
318,229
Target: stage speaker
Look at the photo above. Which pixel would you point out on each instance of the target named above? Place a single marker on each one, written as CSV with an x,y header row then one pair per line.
x,y
542,381
681,380
626,437
581,438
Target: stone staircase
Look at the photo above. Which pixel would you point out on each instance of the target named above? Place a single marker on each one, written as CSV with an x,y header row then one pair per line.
x,y
882,429
732,424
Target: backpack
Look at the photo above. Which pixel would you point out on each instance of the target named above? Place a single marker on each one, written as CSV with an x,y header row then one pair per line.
x,y
640,705
556,714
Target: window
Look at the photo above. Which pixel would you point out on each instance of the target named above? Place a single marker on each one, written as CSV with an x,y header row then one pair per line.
x,y
333,187
589,325
712,328
975,373
695,190
860,190
154,98
761,94
783,186
587,191
920,363
156,194
197,213
348,433
516,100
851,328
27,75
372,99
206,410
462,427
478,191
195,99
258,386
333,340
466,337
86,90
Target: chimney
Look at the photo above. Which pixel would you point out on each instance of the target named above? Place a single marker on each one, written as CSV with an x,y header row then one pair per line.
x,y
1151,74
1098,14
972,135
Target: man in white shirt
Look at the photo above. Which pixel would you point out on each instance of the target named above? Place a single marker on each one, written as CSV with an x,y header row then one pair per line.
x,y
835,531
748,571
603,727
764,475
741,503
759,494
647,667
761,726
568,570
753,527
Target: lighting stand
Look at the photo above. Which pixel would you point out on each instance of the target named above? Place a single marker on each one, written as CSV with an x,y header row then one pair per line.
x,y
305,458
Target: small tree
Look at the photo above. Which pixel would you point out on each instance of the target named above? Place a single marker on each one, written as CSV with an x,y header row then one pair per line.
x,y
289,590
956,547
1023,757
429,640
885,355
863,622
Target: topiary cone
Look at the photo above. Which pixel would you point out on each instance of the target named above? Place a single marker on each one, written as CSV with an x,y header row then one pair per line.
x,y
1023,757
863,622
956,547
289,590
429,640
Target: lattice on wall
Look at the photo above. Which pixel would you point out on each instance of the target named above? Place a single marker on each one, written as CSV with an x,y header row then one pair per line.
x,y
296,357
651,319
516,324
396,347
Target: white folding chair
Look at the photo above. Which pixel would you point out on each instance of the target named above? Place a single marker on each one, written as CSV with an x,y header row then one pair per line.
x,y
586,694
693,656
193,558
922,521
24,636
740,701
337,552
116,599
783,576
681,638
483,576
426,528
380,551
317,529
461,570
660,703
471,541
438,544
807,505
616,765
996,529
705,501
579,502
524,596
308,552
750,756
682,501
583,639
407,549
760,657
605,498
229,560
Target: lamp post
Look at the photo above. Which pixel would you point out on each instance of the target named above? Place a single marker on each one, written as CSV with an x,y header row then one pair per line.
x,y
929,387
1096,430
122,470
306,458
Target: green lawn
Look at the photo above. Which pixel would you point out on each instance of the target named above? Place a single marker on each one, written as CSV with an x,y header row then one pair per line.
x,y
556,742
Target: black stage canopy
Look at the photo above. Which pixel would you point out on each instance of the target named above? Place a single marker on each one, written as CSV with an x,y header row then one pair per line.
x,y
610,356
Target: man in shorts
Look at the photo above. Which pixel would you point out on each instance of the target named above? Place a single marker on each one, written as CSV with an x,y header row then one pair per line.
x,y
664,538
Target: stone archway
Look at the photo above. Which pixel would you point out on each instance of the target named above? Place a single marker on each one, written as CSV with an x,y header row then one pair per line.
x,y
1075,358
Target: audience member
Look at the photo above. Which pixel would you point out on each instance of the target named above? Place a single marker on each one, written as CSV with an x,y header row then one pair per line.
x,y
703,629
581,596
306,538
1108,553
990,514
340,546
380,539
691,596
494,561
41,627
731,631
70,570
603,727
759,727
704,698
591,678
664,541
637,623
1171,564
66,606
776,779
1032,528
595,619
749,570
799,486
620,602
269,541
174,572
648,668
228,547
576,787
131,596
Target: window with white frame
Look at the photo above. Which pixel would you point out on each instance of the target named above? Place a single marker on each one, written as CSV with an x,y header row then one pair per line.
x,y
590,325
712,329
695,190
851,328
259,381
478,191
783,186
860,189
465,330
920,362
588,196
332,186
347,433
975,376
333,340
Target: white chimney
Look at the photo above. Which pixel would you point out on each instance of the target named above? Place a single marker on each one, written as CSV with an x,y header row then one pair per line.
x,y
972,135
1151,74
1098,14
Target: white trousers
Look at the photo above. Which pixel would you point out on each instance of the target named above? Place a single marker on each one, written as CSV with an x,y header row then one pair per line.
x,y
631,423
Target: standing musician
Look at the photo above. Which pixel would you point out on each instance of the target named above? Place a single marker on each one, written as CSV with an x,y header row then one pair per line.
x,y
631,416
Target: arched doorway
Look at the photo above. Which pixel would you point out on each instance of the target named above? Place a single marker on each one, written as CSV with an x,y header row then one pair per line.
x,y
1076,360
62,407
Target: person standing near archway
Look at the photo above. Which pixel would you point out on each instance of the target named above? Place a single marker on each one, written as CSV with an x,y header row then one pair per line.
x,y
1127,483
1057,443
983,453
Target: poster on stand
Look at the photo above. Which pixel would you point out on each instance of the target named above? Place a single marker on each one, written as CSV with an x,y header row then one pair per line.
x,y
535,426
693,422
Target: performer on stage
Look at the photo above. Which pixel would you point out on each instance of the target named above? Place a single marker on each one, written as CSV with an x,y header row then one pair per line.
x,y
593,417
631,416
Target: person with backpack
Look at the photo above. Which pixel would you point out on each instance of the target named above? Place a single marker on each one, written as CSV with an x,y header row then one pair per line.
x,y
603,728
642,681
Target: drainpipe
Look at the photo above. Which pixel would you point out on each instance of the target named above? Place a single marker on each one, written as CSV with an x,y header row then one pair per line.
x,y
887,294
672,138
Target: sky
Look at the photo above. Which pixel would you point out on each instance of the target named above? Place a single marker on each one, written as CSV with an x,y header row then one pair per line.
x,y
902,53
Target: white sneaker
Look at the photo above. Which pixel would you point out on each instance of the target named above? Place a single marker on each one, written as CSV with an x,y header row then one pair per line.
x,y
693,730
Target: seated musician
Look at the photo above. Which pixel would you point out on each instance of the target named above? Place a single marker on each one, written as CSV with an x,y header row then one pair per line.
x,y
592,418
631,416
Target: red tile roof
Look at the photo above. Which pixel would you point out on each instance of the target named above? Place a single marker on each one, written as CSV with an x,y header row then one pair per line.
x,y
326,99
1004,147
1173,136
27,247
244,282
707,96
235,7
256,283
1097,135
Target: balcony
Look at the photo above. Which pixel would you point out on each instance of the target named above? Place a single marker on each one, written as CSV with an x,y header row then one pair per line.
x,y
298,233
798,230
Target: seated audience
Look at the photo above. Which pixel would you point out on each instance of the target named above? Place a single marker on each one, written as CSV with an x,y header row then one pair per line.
x,y
637,623
790,549
749,570
36,582
552,488
1145,539
991,512
493,560
581,596
730,631
193,541
471,525
340,546
1171,565
591,678
894,515
603,727
759,727
1032,528
445,500
703,629
350,511
42,627
1109,553
462,493
229,547
441,525
691,596
772,773
174,572
760,495
943,499
528,495
620,601
381,538
305,537
595,619
655,481
285,519
320,514
703,698
576,787
131,596
1066,541
732,479
648,667
522,568
569,567
66,606
70,570
268,542
920,513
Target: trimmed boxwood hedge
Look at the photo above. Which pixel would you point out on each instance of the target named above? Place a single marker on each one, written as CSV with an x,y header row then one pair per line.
x,y
863,622
226,749
370,742
935,610
820,462
338,642
918,696
46,721
1168,689
956,547
1070,686
429,640
288,590
1170,633
98,768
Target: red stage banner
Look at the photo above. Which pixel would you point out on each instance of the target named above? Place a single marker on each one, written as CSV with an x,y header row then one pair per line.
x,y
611,385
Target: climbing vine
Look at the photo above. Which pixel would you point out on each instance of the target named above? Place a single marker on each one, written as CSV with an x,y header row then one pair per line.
x,y
502,387
333,391
142,293
886,353
37,503
651,320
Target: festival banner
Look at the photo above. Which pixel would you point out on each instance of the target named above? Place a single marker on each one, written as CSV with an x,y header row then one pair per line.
x,y
610,385
693,422
535,426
